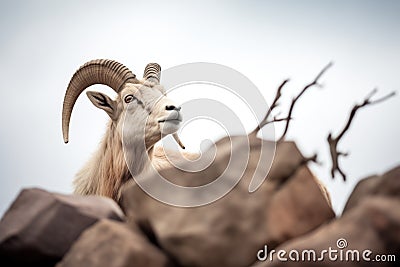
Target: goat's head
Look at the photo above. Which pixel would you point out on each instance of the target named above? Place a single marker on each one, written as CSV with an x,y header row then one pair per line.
x,y
140,107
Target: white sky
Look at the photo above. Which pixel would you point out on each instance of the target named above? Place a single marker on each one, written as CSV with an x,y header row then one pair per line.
x,y
42,43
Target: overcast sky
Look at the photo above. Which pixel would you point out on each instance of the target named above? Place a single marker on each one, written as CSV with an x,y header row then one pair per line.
x,y
42,43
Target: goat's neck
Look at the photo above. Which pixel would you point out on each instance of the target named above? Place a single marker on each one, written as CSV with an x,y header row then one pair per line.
x,y
108,170
138,158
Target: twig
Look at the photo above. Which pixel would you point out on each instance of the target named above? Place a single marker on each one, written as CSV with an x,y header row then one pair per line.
x,y
275,103
313,83
333,142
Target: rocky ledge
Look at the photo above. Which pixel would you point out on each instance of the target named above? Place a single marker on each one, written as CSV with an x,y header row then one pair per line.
x,y
290,211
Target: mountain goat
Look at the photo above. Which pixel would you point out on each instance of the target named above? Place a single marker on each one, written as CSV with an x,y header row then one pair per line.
x,y
141,106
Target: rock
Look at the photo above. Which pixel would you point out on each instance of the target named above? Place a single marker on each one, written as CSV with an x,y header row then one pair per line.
x,y
387,184
230,231
113,244
374,224
39,227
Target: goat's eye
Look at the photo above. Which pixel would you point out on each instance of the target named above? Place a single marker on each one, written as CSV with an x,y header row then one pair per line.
x,y
129,98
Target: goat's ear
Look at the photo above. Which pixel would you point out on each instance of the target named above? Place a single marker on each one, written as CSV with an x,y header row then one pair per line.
x,y
103,102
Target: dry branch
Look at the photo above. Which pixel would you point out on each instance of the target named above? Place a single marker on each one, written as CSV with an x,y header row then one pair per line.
x,y
333,141
275,103
313,83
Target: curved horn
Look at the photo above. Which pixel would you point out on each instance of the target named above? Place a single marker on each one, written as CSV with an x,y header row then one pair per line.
x,y
152,72
99,71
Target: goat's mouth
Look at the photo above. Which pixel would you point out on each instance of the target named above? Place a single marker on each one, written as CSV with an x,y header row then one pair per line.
x,y
172,118
179,120
169,125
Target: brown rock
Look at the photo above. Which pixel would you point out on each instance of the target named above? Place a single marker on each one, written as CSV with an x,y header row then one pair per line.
x,y
372,225
387,184
113,244
39,227
230,231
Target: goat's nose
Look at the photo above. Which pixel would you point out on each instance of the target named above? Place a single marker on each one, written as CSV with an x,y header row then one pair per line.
x,y
172,107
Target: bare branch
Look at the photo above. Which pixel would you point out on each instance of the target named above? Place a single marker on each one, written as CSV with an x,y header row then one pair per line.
x,y
333,141
273,106
313,158
367,101
313,83
275,119
277,96
383,98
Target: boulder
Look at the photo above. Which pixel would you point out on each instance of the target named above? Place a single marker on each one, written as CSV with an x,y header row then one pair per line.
x,y
112,244
369,229
40,227
387,184
230,231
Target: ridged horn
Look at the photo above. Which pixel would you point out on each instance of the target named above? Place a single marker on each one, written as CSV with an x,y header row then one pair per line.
x,y
152,72
99,71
